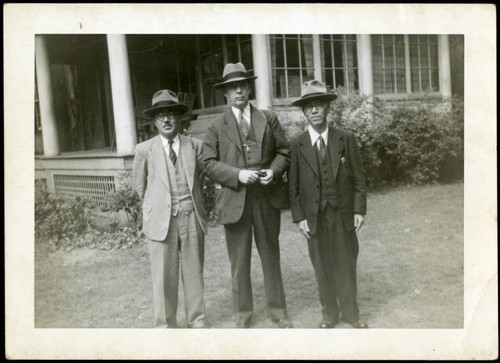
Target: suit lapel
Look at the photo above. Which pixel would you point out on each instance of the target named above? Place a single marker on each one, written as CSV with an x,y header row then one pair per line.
x,y
258,123
335,147
159,161
188,158
231,129
308,152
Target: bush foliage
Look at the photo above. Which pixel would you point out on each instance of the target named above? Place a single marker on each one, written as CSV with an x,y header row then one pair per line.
x,y
65,224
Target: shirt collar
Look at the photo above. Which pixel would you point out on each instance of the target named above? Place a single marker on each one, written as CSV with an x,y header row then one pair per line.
x,y
315,135
246,112
164,140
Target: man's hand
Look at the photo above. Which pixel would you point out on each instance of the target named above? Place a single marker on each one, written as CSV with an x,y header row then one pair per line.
x,y
267,178
304,228
358,221
248,176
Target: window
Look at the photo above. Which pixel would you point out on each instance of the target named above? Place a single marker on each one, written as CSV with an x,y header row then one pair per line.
x,y
212,65
405,64
388,52
339,61
424,63
291,63
239,49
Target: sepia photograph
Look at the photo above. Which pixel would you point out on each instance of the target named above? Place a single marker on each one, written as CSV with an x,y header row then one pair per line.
x,y
242,180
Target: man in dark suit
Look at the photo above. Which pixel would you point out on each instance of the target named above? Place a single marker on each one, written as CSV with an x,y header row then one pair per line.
x,y
166,173
245,151
328,202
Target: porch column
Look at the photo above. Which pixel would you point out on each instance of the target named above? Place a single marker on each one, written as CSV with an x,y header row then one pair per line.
x,y
121,89
444,65
46,98
317,58
262,69
365,66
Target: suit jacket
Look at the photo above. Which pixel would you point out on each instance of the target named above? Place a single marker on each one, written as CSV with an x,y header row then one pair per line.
x,y
223,158
151,183
348,175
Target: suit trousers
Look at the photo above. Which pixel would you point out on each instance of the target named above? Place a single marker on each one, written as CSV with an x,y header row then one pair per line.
x,y
184,246
261,218
334,251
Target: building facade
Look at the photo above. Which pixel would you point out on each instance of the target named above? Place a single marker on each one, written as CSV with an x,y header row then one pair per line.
x,y
90,90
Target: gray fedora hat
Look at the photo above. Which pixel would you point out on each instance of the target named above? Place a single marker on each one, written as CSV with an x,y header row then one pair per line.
x,y
165,99
312,90
234,72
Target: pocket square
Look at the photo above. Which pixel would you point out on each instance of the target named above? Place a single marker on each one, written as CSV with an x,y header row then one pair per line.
x,y
343,159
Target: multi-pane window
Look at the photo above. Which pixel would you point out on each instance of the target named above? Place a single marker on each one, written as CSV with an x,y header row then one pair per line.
x,y
291,63
339,61
389,71
212,64
239,49
405,64
424,63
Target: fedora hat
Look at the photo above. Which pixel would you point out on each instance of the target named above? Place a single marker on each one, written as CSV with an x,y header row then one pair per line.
x,y
165,98
234,72
313,90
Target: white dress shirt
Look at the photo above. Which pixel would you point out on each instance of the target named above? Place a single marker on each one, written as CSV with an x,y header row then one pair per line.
x,y
175,145
246,113
315,136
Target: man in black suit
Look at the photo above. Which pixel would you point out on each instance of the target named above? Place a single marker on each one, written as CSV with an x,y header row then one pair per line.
x,y
328,203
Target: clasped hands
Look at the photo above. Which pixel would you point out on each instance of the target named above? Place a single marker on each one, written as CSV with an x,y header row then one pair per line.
x,y
304,227
264,176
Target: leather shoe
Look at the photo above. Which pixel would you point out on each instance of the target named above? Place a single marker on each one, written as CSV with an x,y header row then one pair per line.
x,y
283,323
324,325
359,325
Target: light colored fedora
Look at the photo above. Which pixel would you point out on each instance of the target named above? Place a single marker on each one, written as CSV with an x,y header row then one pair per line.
x,y
312,90
165,98
234,72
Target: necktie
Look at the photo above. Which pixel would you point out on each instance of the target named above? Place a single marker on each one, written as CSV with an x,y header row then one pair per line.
x,y
244,124
322,147
171,152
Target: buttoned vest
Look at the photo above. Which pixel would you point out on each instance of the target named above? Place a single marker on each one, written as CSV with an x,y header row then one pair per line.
x,y
179,188
250,150
328,188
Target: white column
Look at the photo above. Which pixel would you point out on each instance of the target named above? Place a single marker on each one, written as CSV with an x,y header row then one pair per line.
x,y
365,66
46,98
407,64
121,89
317,58
444,65
262,69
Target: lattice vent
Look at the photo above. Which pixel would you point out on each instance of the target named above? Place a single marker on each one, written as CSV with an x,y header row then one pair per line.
x,y
94,187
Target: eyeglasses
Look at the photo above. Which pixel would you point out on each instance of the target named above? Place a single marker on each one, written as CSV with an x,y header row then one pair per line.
x,y
162,116
316,105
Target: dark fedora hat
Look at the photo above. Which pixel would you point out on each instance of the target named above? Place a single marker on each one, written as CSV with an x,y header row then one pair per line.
x,y
165,98
313,90
234,72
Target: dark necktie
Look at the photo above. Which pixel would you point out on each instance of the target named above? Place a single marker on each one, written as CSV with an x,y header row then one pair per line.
x,y
171,152
244,124
322,147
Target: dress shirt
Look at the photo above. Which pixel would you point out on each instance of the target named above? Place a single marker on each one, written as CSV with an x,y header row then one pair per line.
x,y
246,113
175,145
314,136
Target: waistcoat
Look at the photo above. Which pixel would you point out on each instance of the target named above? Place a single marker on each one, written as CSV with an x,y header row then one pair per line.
x,y
328,188
179,188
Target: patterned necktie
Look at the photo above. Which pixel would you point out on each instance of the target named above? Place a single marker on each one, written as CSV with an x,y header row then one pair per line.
x,y
322,147
171,152
244,124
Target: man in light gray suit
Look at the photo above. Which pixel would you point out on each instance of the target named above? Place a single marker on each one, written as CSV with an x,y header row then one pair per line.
x,y
167,177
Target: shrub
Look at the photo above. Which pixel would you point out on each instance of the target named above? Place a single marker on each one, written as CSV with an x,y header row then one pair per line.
x,y
65,224
125,199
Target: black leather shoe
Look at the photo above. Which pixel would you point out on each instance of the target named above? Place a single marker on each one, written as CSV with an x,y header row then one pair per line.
x,y
283,323
326,325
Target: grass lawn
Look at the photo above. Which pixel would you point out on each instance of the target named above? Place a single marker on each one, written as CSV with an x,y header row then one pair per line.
x,y
410,272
